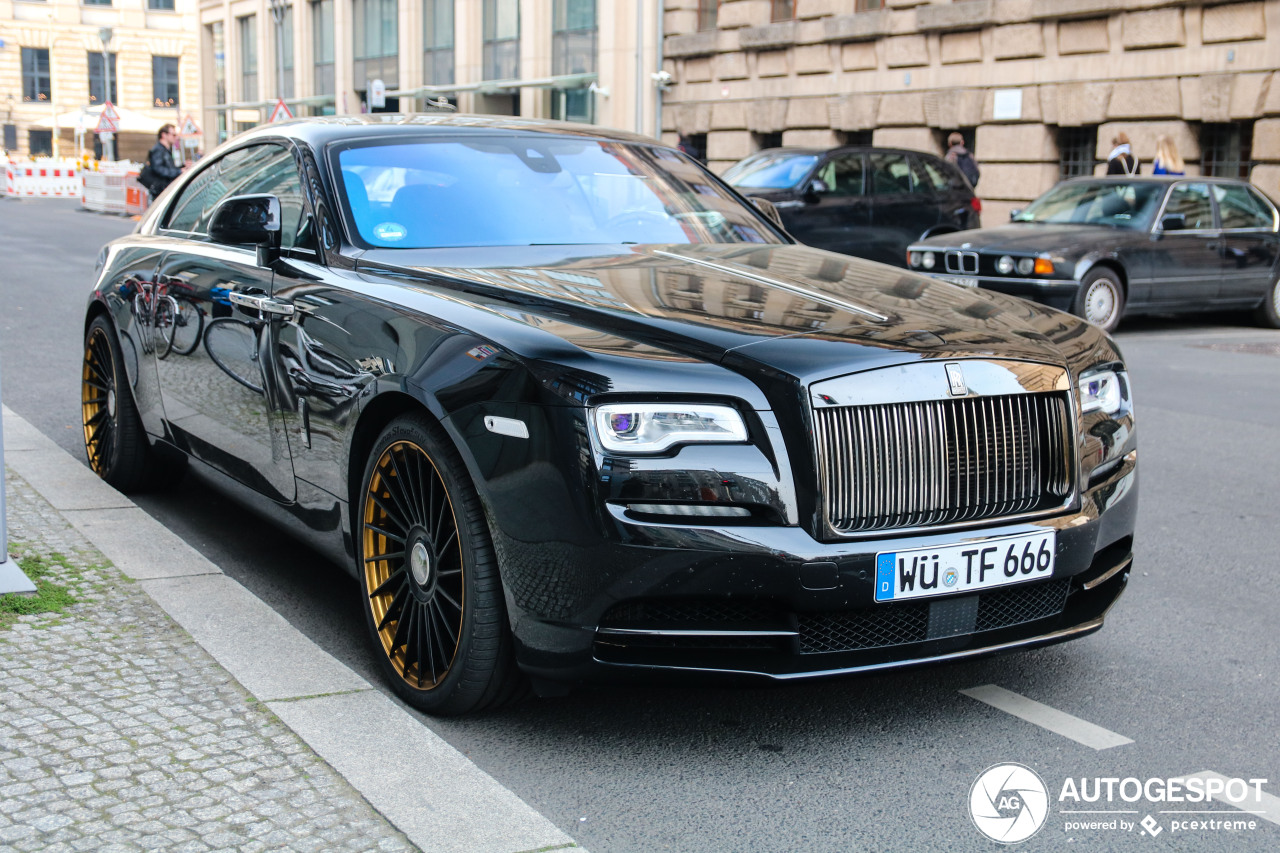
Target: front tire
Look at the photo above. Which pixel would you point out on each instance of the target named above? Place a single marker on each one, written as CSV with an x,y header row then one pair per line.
x,y
1268,313
1101,299
429,580
114,440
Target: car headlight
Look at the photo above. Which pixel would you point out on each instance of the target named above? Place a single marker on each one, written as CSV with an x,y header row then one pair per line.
x,y
1026,265
1004,266
653,427
913,259
928,260
1105,391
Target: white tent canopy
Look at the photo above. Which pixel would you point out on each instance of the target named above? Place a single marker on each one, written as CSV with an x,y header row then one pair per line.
x,y
85,120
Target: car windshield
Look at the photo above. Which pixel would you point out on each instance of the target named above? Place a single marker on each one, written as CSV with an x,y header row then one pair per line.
x,y
1115,203
526,190
778,170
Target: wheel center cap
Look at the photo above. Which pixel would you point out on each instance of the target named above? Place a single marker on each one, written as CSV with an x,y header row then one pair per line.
x,y
111,403
420,564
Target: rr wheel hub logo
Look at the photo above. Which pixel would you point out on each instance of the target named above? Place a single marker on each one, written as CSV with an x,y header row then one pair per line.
x,y
1009,803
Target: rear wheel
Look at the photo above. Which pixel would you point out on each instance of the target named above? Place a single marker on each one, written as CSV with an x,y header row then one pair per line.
x,y
114,440
1101,298
1268,313
429,580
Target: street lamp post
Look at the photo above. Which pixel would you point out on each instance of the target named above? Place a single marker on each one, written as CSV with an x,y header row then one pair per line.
x,y
109,144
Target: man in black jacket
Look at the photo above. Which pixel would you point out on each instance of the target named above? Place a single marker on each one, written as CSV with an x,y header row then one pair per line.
x,y
160,159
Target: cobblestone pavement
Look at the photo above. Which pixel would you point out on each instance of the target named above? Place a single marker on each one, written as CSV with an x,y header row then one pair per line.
x,y
119,733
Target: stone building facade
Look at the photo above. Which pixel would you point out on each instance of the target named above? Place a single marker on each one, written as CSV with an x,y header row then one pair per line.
x,y
1038,87
51,64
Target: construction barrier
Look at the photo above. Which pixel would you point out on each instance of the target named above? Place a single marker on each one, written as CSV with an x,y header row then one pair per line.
x,y
114,189
42,179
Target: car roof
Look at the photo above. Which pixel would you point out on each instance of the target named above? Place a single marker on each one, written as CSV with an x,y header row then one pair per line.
x,y
320,130
843,149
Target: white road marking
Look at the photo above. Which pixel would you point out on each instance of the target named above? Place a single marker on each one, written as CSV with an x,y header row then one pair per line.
x,y
1260,803
1059,722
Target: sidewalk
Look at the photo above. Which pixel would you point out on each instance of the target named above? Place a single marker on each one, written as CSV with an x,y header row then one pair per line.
x,y
140,714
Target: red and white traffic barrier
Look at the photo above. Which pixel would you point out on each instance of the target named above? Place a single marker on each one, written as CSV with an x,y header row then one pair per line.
x,y
32,179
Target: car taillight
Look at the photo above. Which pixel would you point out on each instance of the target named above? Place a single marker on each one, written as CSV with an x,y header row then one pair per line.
x,y
976,204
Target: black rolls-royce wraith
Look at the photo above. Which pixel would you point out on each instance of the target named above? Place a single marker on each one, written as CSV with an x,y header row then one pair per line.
x,y
1105,248
570,410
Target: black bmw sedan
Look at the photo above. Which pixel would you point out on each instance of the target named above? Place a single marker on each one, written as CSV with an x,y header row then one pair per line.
x,y
866,202
1106,248
569,411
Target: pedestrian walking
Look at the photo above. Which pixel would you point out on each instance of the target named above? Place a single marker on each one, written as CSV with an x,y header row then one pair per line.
x,y
962,158
1167,161
1121,160
160,170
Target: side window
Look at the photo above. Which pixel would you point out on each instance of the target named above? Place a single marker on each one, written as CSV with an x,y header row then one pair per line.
x,y
890,174
921,183
938,176
191,210
1239,207
843,175
1192,201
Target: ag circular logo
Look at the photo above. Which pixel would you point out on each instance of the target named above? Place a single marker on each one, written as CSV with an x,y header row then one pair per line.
x,y
1009,803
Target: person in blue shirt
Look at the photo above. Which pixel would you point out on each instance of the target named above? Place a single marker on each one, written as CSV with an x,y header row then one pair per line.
x,y
1167,161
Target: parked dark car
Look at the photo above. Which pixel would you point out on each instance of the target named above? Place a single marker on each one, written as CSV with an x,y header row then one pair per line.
x,y
569,411
1106,248
867,202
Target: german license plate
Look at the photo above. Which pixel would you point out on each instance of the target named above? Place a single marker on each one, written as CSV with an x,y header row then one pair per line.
x,y
963,281
922,572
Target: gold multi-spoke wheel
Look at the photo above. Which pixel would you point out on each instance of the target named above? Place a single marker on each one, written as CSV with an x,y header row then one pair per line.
x,y
413,565
428,576
99,399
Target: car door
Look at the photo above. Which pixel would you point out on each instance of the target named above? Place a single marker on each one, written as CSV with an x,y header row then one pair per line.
x,y
220,399
1249,244
1186,263
836,217
903,206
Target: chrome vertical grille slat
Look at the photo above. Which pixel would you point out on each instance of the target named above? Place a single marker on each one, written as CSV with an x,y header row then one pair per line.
x,y
884,467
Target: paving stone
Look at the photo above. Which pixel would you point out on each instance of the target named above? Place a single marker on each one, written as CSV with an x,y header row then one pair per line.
x,y
145,743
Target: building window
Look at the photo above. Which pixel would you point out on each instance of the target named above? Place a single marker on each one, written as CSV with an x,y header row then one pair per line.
x,y
217,40
868,5
40,143
322,49
248,26
98,82
1226,150
501,33
35,74
573,51
708,11
285,46
437,42
767,140
96,2
164,80
160,5
854,137
1077,147
376,42
782,10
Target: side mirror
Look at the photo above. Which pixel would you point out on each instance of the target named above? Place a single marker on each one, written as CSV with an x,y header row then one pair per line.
x,y
1173,222
249,219
770,210
816,188
1014,213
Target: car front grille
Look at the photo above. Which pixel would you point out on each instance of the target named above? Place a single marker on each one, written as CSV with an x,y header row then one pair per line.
x,y
898,624
932,462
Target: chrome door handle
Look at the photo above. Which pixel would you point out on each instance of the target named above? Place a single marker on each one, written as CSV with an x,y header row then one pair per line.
x,y
264,305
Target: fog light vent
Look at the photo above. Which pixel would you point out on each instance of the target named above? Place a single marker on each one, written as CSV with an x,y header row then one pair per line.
x,y
700,510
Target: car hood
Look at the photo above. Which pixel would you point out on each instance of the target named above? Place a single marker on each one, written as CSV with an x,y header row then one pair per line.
x,y
784,309
1024,237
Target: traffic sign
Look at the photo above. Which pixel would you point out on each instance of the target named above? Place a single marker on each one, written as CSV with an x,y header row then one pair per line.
x,y
109,120
280,112
189,127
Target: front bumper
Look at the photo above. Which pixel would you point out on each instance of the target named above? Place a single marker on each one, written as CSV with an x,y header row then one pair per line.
x,y
1056,293
772,603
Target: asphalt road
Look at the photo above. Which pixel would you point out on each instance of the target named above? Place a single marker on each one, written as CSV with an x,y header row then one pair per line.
x,y
1186,668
